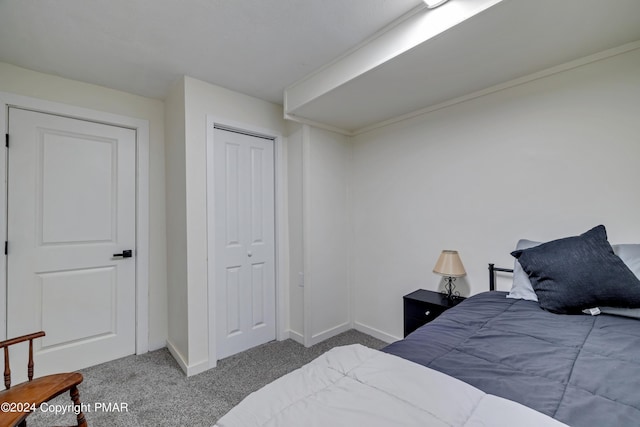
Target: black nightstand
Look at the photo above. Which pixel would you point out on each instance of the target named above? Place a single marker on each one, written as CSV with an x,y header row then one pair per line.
x,y
422,307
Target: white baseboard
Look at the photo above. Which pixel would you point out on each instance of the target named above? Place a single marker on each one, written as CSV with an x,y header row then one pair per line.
x,y
315,339
198,368
376,333
188,370
177,355
296,337
282,335
153,346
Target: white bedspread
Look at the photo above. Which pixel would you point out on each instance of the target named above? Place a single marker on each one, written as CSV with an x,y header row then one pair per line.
x,y
357,386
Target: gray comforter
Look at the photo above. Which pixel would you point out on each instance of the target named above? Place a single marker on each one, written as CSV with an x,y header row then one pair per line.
x,y
582,370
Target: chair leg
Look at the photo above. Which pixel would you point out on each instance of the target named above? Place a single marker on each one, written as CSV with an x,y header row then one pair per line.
x,y
75,397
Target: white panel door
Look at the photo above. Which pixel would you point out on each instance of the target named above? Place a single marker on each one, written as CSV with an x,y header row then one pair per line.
x,y
244,241
71,211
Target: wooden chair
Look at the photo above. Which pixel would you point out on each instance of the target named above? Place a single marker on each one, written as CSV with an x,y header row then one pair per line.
x,y
20,400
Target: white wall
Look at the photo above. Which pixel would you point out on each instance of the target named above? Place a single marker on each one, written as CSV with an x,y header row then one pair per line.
x,y
29,83
177,307
296,243
327,233
319,173
546,159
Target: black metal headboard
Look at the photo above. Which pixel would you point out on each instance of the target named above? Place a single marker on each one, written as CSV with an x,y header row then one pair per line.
x,y
492,275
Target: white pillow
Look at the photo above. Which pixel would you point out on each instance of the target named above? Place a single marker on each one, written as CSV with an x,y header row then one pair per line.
x,y
630,255
521,287
626,312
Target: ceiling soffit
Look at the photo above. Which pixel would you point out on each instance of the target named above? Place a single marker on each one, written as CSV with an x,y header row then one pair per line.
x,y
461,48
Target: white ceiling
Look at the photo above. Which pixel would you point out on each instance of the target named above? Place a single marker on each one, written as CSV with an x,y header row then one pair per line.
x,y
256,47
261,47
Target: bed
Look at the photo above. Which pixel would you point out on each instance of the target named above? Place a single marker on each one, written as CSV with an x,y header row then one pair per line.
x,y
544,354
579,369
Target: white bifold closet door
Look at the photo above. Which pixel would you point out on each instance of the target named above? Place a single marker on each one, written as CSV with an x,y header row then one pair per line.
x,y
244,241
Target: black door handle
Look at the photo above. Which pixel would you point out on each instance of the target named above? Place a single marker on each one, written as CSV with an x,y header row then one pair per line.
x,y
128,253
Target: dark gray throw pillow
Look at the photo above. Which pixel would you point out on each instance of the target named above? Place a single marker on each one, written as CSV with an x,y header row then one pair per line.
x,y
574,273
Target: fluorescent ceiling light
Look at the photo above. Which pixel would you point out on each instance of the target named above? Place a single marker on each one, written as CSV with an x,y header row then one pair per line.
x,y
432,4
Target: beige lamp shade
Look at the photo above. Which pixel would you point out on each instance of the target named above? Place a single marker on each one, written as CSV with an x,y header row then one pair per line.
x,y
449,264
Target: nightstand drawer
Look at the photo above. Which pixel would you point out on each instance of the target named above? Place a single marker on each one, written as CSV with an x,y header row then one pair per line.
x,y
421,307
421,311
422,316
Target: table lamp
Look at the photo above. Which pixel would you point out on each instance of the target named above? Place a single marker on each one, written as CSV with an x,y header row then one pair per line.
x,y
450,266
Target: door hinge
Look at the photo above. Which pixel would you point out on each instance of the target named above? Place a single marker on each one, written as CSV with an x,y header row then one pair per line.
x,y
6,140
6,247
